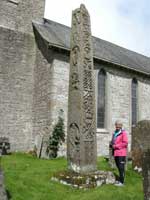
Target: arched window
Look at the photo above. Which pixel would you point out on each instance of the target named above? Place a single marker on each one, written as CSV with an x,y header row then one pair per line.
x,y
101,99
134,101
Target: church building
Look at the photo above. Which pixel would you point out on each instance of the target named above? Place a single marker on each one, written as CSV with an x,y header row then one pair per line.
x,y
34,78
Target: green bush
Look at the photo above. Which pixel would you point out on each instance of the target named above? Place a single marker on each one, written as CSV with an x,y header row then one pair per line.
x,y
56,139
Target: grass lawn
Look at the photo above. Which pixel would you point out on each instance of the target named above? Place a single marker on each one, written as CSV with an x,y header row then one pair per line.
x,y
28,178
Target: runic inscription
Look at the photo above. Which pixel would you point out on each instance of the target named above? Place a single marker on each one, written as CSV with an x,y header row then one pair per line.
x,y
81,145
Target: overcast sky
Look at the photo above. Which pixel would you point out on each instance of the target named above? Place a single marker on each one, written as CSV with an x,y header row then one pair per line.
x,y
123,22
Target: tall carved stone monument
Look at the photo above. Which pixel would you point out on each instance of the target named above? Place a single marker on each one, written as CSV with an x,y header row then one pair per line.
x,y
81,137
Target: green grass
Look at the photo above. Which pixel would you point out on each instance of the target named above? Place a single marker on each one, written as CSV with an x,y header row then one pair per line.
x,y
28,178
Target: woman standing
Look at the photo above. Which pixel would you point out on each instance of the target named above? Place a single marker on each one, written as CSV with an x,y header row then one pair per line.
x,y
119,145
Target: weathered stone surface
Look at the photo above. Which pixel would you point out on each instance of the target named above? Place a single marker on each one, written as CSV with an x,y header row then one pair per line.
x,y
17,60
81,144
34,82
3,195
82,181
58,95
41,143
146,174
140,142
18,14
111,158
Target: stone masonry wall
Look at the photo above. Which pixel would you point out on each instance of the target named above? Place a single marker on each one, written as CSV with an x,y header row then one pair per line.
x,y
144,100
120,103
58,96
18,14
118,100
41,111
17,58
103,139
117,107
34,87
50,94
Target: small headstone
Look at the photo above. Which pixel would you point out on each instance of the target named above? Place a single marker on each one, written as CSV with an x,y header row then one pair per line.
x,y
38,145
141,153
41,143
140,142
111,158
4,146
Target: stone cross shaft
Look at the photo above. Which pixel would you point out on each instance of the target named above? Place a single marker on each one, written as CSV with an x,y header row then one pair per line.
x,y
81,137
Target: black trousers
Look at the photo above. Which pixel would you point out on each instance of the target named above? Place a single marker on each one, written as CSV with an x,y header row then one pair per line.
x,y
120,163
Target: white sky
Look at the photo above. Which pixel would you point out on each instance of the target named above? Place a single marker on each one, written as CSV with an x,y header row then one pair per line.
x,y
123,22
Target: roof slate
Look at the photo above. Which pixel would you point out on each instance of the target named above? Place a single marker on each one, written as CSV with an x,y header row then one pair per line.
x,y
58,35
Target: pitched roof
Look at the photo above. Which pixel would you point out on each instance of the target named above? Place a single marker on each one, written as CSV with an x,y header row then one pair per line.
x,y
58,35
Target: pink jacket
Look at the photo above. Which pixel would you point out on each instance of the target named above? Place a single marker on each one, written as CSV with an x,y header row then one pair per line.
x,y
120,145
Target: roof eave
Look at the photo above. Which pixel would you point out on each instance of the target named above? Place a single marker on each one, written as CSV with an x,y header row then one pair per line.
x,y
51,45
